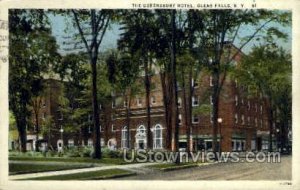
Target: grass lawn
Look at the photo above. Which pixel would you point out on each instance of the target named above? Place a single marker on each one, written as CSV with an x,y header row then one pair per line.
x,y
19,168
113,161
95,175
173,166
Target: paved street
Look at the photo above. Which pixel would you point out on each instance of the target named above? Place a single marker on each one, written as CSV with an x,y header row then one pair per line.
x,y
226,171
218,171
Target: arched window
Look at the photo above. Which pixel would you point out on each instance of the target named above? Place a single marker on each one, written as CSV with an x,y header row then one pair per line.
x,y
124,137
141,129
157,137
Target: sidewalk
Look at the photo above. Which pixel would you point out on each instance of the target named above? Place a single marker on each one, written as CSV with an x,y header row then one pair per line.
x,y
129,167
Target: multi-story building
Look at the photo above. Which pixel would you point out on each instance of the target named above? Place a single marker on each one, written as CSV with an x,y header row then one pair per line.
x,y
243,122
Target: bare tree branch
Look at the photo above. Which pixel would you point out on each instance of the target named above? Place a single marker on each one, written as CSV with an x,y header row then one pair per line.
x,y
80,31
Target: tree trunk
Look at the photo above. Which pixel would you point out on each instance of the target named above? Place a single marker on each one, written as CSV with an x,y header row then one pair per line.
x,y
97,135
128,110
148,109
21,124
37,130
164,79
215,110
174,84
186,110
270,118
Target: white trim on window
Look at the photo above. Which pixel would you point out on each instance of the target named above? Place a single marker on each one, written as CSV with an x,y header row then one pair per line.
x,y
139,102
179,119
179,102
243,119
195,84
124,134
153,100
195,101
157,137
195,119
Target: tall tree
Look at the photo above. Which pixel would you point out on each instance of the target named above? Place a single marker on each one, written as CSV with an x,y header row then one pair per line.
x,y
222,28
140,40
92,25
32,51
267,70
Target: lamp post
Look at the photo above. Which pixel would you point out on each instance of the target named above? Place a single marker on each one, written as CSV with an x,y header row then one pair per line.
x,y
61,135
220,120
278,138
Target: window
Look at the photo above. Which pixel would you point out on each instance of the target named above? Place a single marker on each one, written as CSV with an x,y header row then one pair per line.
x,y
141,129
249,105
178,86
179,119
70,143
157,137
236,83
113,117
101,128
100,106
44,115
112,128
153,100
125,104
255,122
195,119
255,107
124,137
44,104
60,116
242,101
113,103
211,100
261,123
243,120
236,100
194,84
90,118
210,81
248,120
195,101
236,119
179,102
90,142
139,102
261,108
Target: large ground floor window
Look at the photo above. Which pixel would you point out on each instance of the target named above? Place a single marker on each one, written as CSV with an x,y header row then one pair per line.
x,y
124,137
157,137
238,145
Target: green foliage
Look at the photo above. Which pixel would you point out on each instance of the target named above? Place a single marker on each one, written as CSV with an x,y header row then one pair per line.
x,y
32,51
268,70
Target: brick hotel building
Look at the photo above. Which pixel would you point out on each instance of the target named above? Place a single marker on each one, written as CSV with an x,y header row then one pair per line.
x,y
244,123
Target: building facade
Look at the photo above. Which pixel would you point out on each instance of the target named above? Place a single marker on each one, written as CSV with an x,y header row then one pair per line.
x,y
242,123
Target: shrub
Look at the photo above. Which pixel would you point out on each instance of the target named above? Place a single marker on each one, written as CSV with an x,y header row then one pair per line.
x,y
86,152
72,152
107,153
51,153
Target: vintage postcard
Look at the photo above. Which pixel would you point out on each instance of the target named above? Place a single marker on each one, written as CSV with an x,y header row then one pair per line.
x,y
149,94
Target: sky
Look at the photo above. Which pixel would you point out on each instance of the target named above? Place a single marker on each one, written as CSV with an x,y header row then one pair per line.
x,y
58,24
